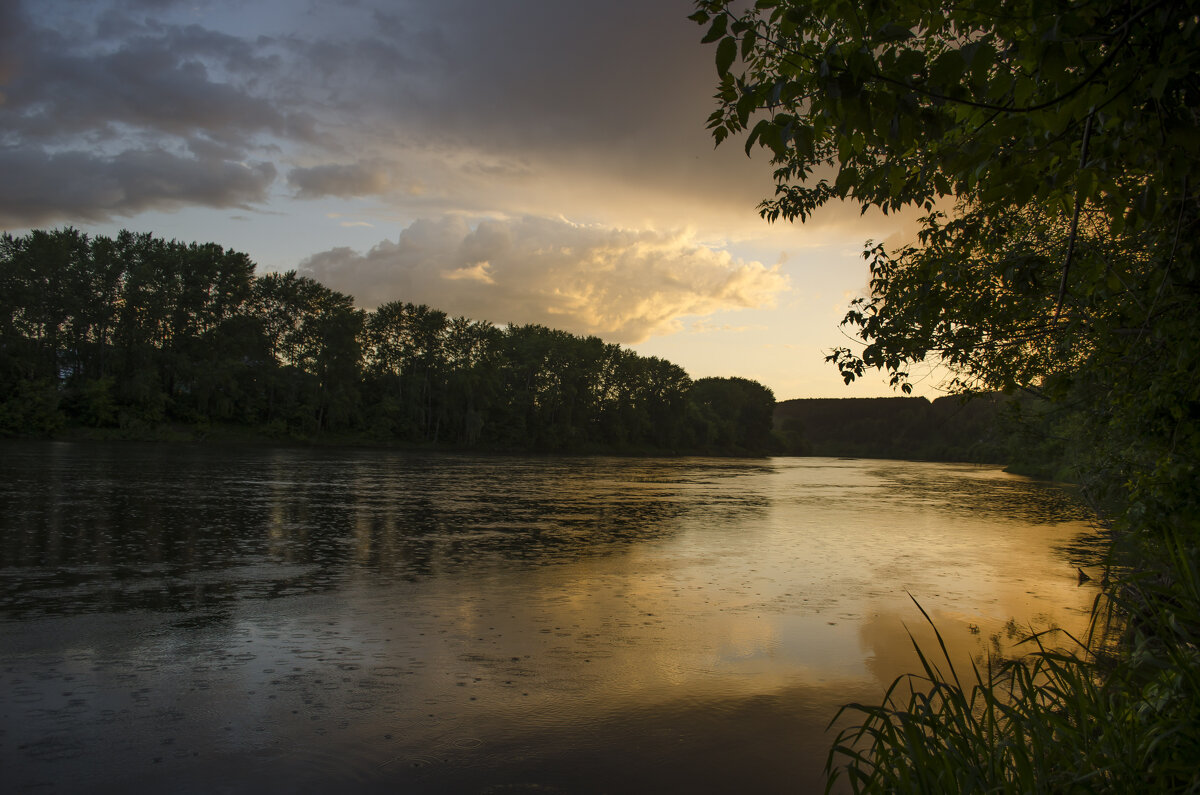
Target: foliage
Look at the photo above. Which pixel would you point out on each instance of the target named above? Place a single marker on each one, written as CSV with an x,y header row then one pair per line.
x,y
131,333
1066,137
911,428
32,407
1054,720
735,413
1053,149
905,102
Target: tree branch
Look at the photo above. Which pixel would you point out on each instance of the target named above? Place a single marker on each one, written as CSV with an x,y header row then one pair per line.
x,y
1083,150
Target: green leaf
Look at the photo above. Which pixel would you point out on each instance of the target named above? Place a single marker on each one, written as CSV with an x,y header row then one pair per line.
x,y
749,39
1052,65
716,30
726,53
803,136
946,70
1086,182
745,106
909,62
845,148
1160,84
758,131
982,62
893,32
847,178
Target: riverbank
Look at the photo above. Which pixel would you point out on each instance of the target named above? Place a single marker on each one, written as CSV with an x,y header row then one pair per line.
x,y
1115,710
180,433
904,429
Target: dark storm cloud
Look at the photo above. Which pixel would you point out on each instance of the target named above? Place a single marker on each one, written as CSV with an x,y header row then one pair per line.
x,y
473,102
585,77
41,188
363,61
610,98
339,179
162,83
94,117
13,27
150,5
529,74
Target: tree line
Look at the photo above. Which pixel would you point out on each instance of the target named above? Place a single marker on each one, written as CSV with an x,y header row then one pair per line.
x,y
910,428
134,333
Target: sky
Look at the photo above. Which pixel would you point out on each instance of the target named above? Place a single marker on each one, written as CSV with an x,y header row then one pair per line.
x,y
526,161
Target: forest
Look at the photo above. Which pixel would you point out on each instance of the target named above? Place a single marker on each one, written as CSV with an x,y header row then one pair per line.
x,y
140,337
909,428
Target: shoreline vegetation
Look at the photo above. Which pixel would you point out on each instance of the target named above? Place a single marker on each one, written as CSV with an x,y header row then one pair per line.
x,y
136,337
1053,153
140,338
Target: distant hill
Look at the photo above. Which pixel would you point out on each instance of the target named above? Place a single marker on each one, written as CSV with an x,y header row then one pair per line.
x,y
947,429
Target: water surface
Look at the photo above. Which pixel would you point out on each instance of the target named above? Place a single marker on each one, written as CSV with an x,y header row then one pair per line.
x,y
194,619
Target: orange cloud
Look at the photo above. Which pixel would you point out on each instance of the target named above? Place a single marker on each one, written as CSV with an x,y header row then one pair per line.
x,y
624,285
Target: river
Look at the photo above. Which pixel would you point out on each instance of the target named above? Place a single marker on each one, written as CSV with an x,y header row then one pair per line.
x,y
245,619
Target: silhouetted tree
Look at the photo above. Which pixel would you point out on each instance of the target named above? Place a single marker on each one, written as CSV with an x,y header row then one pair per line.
x,y
135,331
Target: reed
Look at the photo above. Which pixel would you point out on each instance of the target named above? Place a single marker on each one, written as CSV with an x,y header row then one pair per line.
x,y
1116,711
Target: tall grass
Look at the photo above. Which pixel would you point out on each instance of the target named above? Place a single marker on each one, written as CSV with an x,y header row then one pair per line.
x,y
1118,711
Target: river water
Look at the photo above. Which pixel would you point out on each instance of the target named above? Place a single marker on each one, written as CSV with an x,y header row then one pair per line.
x,y
240,619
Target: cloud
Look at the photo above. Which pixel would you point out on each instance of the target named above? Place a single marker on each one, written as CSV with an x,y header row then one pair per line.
x,y
40,188
340,179
622,285
520,108
479,272
104,116
12,29
482,109
177,81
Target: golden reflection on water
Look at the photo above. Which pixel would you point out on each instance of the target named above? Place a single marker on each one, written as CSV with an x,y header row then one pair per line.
x,y
458,623
707,611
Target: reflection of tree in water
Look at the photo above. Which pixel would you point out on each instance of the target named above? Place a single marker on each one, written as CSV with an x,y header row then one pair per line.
x,y
131,527
114,528
1017,498
1092,549
425,535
